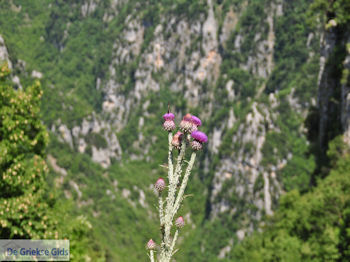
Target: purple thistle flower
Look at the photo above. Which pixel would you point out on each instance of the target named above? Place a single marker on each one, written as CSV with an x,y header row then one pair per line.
x,y
159,185
151,244
196,121
169,124
168,116
199,139
199,136
180,222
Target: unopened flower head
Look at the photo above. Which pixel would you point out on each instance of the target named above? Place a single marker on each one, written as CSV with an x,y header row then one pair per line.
x,y
177,138
151,244
169,124
186,123
159,185
180,222
199,138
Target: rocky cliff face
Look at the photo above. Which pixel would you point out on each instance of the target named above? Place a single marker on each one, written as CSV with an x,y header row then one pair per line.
x,y
333,94
345,93
230,62
326,81
186,56
4,56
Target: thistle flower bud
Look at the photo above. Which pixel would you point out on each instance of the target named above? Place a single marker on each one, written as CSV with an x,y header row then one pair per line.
x,y
169,124
180,222
177,138
186,123
199,138
196,145
159,185
151,245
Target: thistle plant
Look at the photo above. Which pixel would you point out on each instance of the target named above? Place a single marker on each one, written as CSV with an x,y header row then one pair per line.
x,y
188,138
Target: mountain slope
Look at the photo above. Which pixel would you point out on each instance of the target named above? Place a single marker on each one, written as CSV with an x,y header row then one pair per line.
x,y
248,69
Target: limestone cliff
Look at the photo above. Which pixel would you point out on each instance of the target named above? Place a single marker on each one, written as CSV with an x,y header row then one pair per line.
x,y
248,69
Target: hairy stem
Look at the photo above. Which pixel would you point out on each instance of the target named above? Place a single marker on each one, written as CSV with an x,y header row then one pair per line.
x,y
173,244
178,170
151,255
176,176
173,201
183,185
171,194
161,212
165,229
170,158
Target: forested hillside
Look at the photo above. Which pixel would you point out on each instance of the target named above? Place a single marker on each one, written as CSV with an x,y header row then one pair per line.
x,y
270,79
